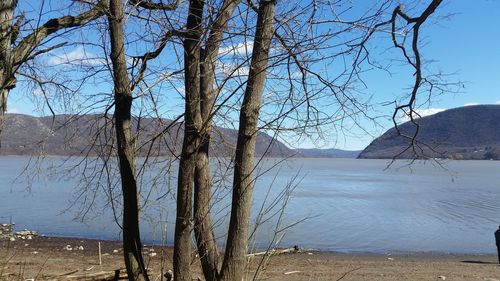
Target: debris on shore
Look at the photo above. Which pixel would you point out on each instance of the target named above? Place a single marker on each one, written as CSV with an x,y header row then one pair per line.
x,y
7,233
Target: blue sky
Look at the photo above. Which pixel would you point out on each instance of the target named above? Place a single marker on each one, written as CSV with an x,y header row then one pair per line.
x,y
465,44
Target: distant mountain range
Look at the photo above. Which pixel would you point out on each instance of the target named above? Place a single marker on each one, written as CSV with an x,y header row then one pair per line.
x,y
93,135
326,153
471,132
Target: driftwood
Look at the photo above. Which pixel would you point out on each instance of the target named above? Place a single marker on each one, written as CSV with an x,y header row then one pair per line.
x,y
119,274
294,249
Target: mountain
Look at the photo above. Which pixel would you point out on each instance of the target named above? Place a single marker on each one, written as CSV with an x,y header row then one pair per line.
x,y
93,135
325,153
471,132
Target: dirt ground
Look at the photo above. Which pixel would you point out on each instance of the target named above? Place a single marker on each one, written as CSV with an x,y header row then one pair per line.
x,y
50,258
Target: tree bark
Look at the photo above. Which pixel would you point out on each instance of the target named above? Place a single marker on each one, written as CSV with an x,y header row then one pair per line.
x,y
233,267
190,145
203,227
7,82
132,246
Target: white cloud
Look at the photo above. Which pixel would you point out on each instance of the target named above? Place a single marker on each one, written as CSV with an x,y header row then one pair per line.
x,y
429,111
422,113
233,70
38,92
238,50
471,103
11,109
169,75
497,102
78,56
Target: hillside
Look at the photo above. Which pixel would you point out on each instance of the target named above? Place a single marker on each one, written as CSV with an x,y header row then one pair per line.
x,y
93,135
326,153
471,132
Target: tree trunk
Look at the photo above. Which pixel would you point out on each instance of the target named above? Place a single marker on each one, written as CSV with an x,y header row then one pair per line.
x,y
132,246
205,238
234,264
7,80
203,228
190,145
3,108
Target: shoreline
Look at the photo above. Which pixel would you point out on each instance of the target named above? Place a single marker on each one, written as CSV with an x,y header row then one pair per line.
x,y
44,257
396,253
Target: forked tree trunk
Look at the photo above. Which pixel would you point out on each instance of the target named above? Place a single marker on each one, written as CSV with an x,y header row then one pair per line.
x,y
234,264
190,145
132,246
203,227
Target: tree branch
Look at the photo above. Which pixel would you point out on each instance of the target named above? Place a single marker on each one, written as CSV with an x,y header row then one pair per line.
x,y
22,52
151,55
155,6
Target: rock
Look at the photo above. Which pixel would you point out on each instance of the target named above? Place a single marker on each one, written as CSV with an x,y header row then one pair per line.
x,y
34,252
168,275
442,277
6,228
79,248
26,232
152,254
12,239
68,248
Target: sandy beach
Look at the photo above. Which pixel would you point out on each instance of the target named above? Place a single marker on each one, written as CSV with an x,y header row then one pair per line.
x,y
51,258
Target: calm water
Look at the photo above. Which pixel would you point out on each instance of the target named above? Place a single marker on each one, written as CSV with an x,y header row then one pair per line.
x,y
348,205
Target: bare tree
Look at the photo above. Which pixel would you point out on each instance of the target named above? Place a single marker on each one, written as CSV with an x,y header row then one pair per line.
x,y
237,241
200,62
299,87
191,142
14,51
132,246
296,52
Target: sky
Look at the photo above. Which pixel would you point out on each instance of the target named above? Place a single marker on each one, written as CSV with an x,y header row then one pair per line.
x,y
465,44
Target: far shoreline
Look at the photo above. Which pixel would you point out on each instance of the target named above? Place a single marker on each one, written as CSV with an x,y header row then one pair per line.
x,y
291,157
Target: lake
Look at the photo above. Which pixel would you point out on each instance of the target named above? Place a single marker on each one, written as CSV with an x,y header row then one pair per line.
x,y
345,205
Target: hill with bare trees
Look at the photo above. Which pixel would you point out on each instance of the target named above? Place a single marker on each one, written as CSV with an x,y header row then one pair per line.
x,y
471,132
80,135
